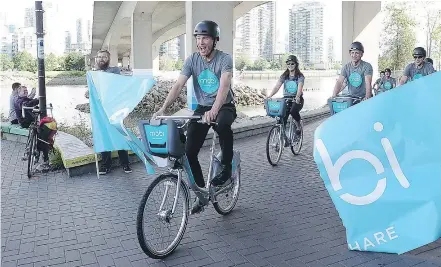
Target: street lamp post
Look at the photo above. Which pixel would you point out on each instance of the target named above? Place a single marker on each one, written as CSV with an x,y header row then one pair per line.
x,y
40,56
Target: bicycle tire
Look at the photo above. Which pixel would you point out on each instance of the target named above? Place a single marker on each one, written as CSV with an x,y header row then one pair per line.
x,y
294,151
275,127
236,192
31,155
140,218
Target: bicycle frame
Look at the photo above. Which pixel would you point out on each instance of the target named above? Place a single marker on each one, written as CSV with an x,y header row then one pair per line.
x,y
204,194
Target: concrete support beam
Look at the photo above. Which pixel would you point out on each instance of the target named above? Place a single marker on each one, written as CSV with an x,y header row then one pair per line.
x,y
141,51
125,62
222,14
155,57
360,22
113,56
182,47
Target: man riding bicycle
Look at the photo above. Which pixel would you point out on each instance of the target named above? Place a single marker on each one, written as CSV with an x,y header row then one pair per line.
x,y
212,71
386,82
358,73
417,69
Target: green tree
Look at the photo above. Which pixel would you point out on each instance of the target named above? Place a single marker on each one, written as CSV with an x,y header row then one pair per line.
x,y
432,21
50,62
275,65
398,37
166,63
179,64
6,62
24,61
260,64
61,63
242,62
437,46
74,61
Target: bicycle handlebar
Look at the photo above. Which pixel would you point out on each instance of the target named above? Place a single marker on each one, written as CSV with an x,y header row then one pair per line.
x,y
34,109
185,118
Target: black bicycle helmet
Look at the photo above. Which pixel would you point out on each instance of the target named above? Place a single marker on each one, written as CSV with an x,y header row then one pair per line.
x,y
208,28
419,51
292,58
428,59
356,46
387,70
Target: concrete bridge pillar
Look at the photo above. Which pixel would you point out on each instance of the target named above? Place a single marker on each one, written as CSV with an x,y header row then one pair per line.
x,y
219,12
182,47
125,62
113,56
141,52
361,22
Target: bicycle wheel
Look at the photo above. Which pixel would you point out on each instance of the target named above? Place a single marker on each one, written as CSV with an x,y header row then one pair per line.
x,y
297,139
274,140
162,220
31,153
230,194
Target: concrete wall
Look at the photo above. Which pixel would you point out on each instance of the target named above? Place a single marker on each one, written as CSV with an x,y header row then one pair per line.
x,y
361,22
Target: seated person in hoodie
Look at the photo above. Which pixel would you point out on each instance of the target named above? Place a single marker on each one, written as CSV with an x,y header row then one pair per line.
x,y
23,100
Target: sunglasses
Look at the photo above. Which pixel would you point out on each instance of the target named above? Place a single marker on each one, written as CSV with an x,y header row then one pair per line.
x,y
415,57
291,64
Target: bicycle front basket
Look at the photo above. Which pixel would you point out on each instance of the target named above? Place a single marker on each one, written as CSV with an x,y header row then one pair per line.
x,y
275,107
339,104
154,137
162,138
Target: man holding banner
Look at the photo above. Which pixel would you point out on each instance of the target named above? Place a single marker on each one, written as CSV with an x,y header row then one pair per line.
x,y
358,73
102,62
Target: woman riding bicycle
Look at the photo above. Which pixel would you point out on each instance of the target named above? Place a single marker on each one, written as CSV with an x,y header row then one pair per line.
x,y
293,81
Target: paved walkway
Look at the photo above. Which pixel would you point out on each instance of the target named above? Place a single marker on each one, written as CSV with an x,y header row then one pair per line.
x,y
284,217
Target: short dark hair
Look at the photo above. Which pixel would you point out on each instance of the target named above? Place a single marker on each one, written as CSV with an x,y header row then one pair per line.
x,y
104,51
16,86
382,72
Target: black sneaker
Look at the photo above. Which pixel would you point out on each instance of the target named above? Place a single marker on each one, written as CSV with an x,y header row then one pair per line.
x,y
103,170
197,206
127,169
223,176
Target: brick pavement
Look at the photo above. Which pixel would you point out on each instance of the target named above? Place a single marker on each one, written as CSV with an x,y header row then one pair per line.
x,y
284,217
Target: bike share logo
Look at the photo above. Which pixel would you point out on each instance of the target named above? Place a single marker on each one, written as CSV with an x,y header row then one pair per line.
x,y
417,76
334,170
355,79
291,87
208,81
387,85
157,134
274,106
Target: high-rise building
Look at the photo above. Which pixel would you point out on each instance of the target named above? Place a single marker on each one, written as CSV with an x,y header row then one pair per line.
x,y
54,43
331,52
170,48
27,40
67,41
89,31
255,32
8,42
29,18
306,32
79,31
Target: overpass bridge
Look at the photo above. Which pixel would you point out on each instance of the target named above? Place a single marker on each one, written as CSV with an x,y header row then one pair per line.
x,y
133,31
